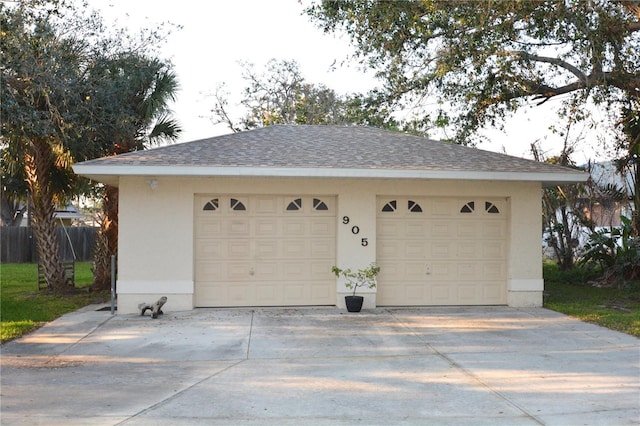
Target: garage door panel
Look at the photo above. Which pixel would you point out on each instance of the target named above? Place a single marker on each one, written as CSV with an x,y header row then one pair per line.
x,y
213,270
416,291
320,293
322,269
210,292
494,250
415,230
441,294
265,271
235,249
415,271
238,228
267,227
390,250
209,227
440,229
322,227
238,271
211,248
393,293
441,250
295,227
440,270
414,250
468,250
468,294
268,293
324,249
467,230
494,291
265,205
494,271
296,249
494,230
439,207
467,271
454,252
264,250
240,293
387,228
391,272
298,269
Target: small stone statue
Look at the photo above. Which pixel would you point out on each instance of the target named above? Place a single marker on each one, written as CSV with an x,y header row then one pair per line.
x,y
156,308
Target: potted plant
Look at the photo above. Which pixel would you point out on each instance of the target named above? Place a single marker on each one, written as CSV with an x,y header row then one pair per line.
x,y
354,279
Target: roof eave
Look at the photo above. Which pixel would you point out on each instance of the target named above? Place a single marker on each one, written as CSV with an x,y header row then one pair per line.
x,y
110,174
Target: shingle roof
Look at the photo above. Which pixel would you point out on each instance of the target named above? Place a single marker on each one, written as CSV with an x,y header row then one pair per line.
x,y
308,147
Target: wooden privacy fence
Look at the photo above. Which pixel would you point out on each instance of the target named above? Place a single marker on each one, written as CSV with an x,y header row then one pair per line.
x,y
18,244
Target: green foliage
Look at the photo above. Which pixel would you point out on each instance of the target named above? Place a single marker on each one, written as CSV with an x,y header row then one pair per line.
x,y
616,252
614,308
361,278
23,307
483,60
281,95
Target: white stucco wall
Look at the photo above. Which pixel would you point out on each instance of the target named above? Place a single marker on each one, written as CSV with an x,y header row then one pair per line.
x,y
156,246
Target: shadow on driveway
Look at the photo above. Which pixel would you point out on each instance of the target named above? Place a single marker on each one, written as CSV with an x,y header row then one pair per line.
x,y
452,366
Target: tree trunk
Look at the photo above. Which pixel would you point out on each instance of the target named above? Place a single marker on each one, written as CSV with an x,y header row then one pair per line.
x,y
635,213
106,241
567,243
38,166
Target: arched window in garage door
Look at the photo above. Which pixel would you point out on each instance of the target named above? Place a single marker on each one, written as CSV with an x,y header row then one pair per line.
x,y
489,207
212,205
470,207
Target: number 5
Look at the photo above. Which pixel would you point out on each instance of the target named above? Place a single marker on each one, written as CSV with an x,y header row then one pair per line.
x,y
365,242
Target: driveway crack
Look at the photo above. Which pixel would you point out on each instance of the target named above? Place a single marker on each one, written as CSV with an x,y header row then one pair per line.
x,y
179,393
467,372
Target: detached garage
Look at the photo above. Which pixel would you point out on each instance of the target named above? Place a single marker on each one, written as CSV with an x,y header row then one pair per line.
x,y
258,218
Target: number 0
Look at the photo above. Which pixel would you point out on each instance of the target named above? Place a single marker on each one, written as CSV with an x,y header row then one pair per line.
x,y
355,230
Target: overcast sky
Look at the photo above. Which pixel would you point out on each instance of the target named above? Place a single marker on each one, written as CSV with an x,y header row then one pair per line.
x,y
218,34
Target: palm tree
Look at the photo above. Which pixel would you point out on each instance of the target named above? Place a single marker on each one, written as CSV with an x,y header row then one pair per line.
x,y
145,87
39,68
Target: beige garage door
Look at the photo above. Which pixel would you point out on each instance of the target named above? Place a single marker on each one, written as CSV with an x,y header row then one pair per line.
x,y
442,251
264,250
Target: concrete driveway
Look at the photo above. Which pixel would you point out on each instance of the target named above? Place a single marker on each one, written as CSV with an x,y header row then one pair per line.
x,y
451,366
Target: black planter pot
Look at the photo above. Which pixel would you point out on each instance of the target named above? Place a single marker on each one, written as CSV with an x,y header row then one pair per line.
x,y
354,303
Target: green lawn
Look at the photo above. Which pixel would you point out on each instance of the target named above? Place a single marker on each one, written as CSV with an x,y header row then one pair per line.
x,y
614,308
24,308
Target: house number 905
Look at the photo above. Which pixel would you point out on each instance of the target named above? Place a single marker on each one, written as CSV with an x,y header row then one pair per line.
x,y
355,230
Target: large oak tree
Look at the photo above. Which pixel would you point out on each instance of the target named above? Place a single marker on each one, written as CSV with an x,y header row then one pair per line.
x,y
487,58
484,60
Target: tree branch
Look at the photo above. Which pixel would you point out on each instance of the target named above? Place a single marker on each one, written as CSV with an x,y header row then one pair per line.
x,y
554,61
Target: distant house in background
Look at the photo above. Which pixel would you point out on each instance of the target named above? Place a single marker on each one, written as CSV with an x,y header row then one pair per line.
x,y
66,216
606,211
